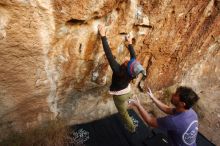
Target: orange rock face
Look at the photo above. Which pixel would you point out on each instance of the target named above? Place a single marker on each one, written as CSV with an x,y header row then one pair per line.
x,y
52,63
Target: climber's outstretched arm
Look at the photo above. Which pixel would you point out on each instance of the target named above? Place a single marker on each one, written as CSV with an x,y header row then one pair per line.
x,y
130,47
115,66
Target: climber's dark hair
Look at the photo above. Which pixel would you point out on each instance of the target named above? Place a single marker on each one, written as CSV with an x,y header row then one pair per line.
x,y
187,95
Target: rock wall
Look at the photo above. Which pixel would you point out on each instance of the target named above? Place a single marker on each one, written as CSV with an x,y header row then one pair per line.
x,y
27,30
52,64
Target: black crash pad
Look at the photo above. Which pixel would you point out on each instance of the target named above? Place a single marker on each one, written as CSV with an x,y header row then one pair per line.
x,y
110,131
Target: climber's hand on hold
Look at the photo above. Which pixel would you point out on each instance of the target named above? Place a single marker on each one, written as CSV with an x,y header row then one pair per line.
x,y
102,30
128,38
